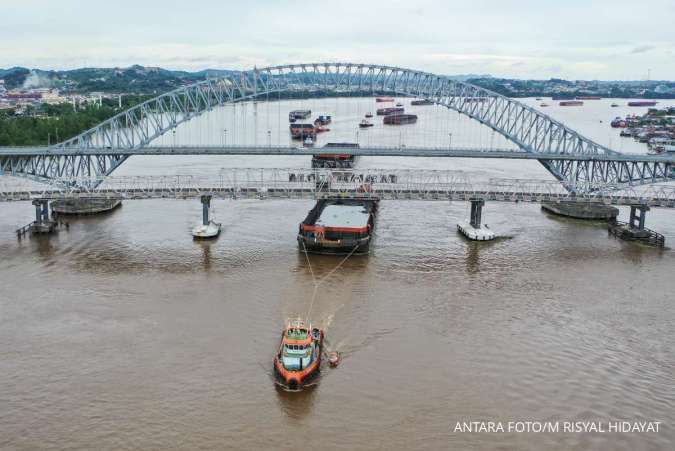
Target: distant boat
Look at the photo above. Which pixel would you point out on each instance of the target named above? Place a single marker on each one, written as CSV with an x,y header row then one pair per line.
x,y
544,104
421,102
369,114
384,99
642,103
365,124
614,105
538,98
571,103
399,104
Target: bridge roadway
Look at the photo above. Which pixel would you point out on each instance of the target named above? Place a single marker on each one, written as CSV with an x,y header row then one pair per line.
x,y
388,184
379,151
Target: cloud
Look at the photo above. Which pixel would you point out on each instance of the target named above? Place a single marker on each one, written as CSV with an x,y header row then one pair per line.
x,y
642,49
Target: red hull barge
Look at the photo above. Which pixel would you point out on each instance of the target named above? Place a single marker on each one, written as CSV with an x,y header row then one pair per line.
x,y
400,119
335,160
302,131
338,226
383,99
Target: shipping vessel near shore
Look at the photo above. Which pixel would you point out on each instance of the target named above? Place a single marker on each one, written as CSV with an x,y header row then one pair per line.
x,y
384,99
588,98
390,110
298,360
642,103
399,119
421,102
335,160
571,103
339,226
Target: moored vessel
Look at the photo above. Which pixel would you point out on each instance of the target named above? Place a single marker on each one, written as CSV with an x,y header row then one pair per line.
x,y
421,102
399,119
384,99
301,131
571,103
298,114
642,103
365,124
390,110
323,120
298,360
369,114
339,226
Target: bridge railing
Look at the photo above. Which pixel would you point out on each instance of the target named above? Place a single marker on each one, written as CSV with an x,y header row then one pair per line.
x,y
313,183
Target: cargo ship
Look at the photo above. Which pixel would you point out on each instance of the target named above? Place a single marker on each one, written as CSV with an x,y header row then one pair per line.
x,y
588,98
391,110
299,114
399,119
571,103
335,160
384,99
298,360
421,102
338,226
642,103
301,131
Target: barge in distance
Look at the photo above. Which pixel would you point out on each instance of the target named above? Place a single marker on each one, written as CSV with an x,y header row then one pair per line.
x,y
335,160
299,114
339,226
399,119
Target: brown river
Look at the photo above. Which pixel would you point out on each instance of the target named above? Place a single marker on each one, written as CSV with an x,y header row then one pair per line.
x,y
121,332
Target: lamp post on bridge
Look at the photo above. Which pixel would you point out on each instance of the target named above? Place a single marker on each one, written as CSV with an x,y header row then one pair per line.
x,y
450,142
269,138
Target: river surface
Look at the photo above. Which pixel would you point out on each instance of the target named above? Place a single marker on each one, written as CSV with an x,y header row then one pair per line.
x,y
120,332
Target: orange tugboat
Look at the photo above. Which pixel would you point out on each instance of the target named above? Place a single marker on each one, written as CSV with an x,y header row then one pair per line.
x,y
298,361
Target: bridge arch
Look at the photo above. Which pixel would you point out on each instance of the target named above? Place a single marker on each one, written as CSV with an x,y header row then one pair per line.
x,y
531,130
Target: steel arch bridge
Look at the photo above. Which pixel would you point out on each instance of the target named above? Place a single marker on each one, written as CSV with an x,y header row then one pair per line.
x,y
530,130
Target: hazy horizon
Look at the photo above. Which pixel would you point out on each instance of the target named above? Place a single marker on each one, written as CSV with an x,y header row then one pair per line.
x,y
522,39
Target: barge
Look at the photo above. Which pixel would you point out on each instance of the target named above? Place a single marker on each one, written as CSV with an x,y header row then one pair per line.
x,y
571,103
298,360
299,114
302,131
335,160
338,226
399,119
391,110
642,103
384,99
421,102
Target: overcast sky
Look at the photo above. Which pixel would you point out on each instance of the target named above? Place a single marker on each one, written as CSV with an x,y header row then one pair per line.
x,y
576,39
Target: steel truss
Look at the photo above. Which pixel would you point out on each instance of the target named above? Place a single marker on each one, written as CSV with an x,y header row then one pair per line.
x,y
248,183
531,130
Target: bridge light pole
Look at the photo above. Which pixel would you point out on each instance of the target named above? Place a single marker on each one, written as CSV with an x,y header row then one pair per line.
x,y
224,137
269,138
450,142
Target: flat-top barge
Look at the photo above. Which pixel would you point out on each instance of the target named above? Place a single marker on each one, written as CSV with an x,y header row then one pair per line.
x,y
335,160
339,226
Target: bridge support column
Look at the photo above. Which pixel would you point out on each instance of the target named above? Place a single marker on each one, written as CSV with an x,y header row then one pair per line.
x,y
42,224
206,206
474,230
635,230
208,228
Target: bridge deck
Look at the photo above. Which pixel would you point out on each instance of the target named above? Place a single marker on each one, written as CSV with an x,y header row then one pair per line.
x,y
312,184
380,151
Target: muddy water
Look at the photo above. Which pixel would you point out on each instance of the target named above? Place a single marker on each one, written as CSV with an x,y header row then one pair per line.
x,y
120,332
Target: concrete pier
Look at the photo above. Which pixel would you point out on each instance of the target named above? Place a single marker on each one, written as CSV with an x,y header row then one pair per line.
x,y
635,230
42,223
579,210
474,230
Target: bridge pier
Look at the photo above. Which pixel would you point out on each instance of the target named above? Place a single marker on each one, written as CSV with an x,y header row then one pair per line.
x,y
208,228
635,230
42,223
474,230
